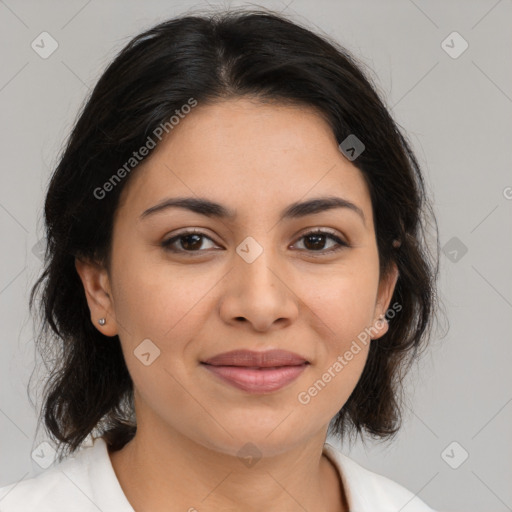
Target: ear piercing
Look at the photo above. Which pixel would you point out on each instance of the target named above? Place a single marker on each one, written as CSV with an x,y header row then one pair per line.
x,y
102,321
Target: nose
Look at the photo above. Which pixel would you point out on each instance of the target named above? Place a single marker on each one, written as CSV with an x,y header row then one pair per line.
x,y
259,294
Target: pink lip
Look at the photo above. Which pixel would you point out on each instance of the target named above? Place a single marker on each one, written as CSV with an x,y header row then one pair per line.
x,y
258,359
257,372
262,380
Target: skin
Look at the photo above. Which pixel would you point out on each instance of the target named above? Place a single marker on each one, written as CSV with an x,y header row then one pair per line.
x,y
255,158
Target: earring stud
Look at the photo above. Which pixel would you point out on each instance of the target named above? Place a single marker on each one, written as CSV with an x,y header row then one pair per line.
x,y
102,321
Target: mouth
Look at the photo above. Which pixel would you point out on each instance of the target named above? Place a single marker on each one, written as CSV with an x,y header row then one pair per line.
x,y
257,380
251,358
257,372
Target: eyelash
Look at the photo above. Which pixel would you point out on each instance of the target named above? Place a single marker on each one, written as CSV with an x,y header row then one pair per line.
x,y
166,244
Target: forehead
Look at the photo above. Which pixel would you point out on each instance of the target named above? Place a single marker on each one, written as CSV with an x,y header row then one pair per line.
x,y
244,153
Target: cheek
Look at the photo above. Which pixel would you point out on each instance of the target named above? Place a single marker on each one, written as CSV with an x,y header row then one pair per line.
x,y
342,308
330,388
159,303
345,312
343,300
166,309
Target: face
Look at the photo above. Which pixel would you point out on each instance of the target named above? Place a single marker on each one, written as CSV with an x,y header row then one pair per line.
x,y
306,281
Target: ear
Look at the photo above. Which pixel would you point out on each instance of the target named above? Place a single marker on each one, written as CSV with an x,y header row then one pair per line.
x,y
98,294
384,295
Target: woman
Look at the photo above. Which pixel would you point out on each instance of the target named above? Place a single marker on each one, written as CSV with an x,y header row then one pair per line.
x,y
235,267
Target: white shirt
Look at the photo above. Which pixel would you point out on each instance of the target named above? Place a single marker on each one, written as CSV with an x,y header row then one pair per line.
x,y
86,482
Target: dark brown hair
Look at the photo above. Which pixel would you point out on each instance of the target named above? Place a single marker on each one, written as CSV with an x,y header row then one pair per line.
x,y
210,58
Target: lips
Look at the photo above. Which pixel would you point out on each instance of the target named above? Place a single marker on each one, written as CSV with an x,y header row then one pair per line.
x,y
267,359
256,372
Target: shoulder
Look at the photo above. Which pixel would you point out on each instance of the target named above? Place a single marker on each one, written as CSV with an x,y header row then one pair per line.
x,y
82,482
53,489
368,491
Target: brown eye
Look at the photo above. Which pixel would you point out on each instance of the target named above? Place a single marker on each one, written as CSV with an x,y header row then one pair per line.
x,y
190,241
315,241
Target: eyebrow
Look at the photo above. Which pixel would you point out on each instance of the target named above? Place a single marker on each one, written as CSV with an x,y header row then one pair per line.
x,y
211,209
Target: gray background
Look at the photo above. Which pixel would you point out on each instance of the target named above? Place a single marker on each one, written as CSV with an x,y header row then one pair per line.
x,y
457,113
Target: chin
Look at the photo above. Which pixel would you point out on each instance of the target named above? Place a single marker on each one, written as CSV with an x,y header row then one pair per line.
x,y
256,440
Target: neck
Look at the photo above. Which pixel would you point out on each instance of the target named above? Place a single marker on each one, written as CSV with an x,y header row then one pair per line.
x,y
155,470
